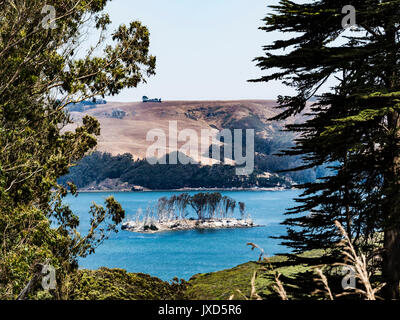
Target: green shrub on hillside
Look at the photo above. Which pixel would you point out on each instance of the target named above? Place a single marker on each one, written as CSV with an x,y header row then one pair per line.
x,y
117,284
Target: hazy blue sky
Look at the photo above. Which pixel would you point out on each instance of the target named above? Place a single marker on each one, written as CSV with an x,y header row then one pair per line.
x,y
204,48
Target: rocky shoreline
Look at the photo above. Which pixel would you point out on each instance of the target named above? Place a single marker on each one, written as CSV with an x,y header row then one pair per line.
x,y
188,224
88,190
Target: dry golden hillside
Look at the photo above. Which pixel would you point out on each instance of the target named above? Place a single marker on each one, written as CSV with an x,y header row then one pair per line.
x,y
124,126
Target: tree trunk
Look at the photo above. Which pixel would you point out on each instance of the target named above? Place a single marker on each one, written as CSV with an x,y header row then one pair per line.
x,y
391,256
391,268
32,283
347,198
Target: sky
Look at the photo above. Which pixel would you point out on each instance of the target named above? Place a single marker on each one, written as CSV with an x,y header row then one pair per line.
x,y
204,48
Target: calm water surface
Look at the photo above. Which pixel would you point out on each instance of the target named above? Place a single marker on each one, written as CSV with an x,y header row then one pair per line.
x,y
185,253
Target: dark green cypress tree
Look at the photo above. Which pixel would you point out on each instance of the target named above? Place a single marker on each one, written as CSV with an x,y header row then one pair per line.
x,y
354,128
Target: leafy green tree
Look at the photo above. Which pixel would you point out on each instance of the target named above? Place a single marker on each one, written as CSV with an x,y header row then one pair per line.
x,y
44,69
353,128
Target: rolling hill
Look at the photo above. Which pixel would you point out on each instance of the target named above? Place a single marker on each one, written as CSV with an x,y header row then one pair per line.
x,y
122,145
124,125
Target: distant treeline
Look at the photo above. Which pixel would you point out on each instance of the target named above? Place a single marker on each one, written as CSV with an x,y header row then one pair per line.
x,y
100,166
85,105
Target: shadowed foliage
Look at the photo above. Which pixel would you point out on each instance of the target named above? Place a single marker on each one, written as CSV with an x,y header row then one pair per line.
x,y
353,128
41,74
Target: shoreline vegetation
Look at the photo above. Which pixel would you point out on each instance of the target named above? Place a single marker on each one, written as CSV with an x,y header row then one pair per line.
x,y
213,211
102,171
85,190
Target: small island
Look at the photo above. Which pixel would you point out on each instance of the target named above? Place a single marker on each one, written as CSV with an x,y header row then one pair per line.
x,y
213,211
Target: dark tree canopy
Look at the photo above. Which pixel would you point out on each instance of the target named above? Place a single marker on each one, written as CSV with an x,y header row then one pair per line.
x,y
42,71
354,127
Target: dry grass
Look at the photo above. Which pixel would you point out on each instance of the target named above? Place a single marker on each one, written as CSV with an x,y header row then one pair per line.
x,y
353,260
254,246
253,294
279,287
358,263
324,280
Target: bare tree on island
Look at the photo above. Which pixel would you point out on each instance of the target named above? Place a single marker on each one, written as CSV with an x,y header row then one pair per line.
x,y
213,211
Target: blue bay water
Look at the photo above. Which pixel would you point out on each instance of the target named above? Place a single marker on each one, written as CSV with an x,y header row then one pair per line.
x,y
183,254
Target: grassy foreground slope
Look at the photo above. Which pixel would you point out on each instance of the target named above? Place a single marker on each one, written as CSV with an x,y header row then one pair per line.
x,y
117,284
236,282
